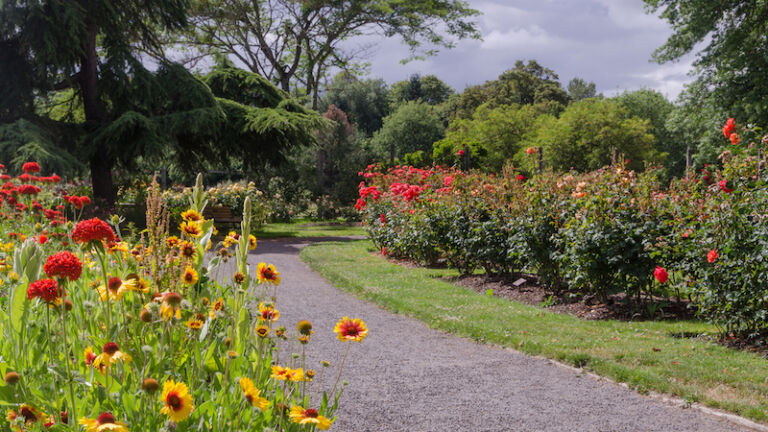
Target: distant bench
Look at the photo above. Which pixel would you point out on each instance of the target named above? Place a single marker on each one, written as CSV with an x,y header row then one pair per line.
x,y
222,215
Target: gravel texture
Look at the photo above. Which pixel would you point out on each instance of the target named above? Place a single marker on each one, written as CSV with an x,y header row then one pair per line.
x,y
407,377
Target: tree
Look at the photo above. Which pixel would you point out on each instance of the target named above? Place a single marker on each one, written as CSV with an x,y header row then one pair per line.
x,y
731,54
414,126
339,158
526,83
363,101
300,40
590,134
428,88
651,105
90,47
494,136
578,89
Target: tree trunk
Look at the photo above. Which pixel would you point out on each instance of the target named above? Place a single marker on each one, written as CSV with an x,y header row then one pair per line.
x,y
100,163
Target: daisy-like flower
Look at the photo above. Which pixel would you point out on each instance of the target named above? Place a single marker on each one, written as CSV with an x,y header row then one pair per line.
x,y
191,216
32,415
231,238
238,278
309,416
89,356
194,324
170,306
287,374
309,374
104,422
252,242
216,306
115,288
111,354
189,277
268,313
172,241
177,402
348,329
252,394
191,229
267,274
188,250
262,331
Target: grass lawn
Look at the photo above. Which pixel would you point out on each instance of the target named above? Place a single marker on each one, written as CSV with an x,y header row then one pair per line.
x,y
308,228
658,356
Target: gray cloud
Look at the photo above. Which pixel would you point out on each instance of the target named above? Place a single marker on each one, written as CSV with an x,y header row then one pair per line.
x,y
609,42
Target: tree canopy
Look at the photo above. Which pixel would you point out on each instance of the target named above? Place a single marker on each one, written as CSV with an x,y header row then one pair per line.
x,y
364,101
413,127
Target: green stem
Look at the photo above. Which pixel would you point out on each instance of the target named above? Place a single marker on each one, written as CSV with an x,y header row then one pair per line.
x,y
67,362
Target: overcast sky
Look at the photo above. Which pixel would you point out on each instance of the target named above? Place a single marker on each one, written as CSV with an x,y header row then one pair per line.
x,y
609,42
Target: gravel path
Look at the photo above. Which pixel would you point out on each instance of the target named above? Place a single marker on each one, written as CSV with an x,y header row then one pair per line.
x,y
407,377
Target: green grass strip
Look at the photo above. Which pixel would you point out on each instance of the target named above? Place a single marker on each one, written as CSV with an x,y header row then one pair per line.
x,y
306,228
658,356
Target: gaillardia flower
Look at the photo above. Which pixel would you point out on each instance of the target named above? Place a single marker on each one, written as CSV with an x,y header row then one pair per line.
x,y
191,229
351,330
268,313
191,216
252,394
177,402
309,416
115,288
287,374
189,276
170,306
110,354
267,274
104,422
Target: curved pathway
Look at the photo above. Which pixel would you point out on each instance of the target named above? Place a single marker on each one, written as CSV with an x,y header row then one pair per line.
x,y
407,377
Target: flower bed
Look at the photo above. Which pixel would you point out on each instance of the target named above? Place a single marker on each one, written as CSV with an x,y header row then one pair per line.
x,y
594,234
104,333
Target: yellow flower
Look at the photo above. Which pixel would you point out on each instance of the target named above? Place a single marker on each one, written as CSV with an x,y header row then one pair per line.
x,y
188,250
309,416
115,288
194,323
110,354
351,330
267,274
104,422
268,313
177,401
191,216
252,242
216,306
252,394
282,374
190,276
172,241
191,229
262,331
170,306
31,414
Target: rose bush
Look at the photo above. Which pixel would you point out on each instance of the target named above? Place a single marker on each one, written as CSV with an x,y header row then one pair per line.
x,y
593,234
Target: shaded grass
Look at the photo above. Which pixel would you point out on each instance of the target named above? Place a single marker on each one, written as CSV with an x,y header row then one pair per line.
x,y
655,356
307,228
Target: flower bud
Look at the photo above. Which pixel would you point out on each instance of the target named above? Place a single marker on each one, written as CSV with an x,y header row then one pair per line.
x,y
12,378
145,316
150,385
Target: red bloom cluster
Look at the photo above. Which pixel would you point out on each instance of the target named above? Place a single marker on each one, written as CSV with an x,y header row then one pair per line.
x,y
724,186
729,127
661,274
46,289
64,265
78,201
409,192
30,167
712,256
27,189
93,230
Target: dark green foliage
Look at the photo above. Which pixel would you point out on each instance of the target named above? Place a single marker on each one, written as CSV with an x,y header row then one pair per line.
x,y
428,88
578,89
363,101
412,127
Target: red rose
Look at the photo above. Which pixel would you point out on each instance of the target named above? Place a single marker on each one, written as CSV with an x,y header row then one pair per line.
x,y
724,186
93,230
64,265
730,125
30,167
661,274
735,138
712,256
45,289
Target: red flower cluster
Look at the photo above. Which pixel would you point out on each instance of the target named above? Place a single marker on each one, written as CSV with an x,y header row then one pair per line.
x,y
78,201
661,274
712,256
46,289
64,265
724,186
27,189
30,167
93,230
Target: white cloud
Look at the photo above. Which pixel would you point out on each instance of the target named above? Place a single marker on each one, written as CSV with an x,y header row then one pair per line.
x,y
530,37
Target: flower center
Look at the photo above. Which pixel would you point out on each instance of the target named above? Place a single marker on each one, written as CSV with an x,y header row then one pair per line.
x,y
311,413
105,418
268,274
114,283
352,331
28,415
110,348
174,401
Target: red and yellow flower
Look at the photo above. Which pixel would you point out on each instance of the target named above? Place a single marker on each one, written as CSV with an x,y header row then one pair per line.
x,y
103,423
348,329
111,354
191,229
216,306
170,306
252,394
191,216
267,312
309,416
116,288
190,276
267,274
177,402
287,374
